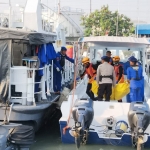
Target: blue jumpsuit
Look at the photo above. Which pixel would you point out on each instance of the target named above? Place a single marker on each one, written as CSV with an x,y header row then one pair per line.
x,y
46,53
60,63
136,83
126,65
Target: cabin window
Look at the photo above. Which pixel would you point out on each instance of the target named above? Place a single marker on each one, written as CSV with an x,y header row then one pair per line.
x,y
98,54
113,53
125,54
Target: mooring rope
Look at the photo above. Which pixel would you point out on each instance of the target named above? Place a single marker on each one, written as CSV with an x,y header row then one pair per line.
x,y
74,87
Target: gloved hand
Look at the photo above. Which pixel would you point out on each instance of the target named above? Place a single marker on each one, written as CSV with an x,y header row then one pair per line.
x,y
77,78
89,76
57,69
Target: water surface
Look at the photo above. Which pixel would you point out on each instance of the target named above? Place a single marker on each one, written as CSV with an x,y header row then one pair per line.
x,y
48,138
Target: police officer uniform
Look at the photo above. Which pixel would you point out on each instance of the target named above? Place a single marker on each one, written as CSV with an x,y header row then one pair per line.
x,y
106,78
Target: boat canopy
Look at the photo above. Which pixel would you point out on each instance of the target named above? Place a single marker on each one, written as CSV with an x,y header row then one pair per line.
x,y
114,41
6,37
34,38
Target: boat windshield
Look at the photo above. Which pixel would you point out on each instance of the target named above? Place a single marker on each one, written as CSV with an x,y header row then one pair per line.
x,y
125,54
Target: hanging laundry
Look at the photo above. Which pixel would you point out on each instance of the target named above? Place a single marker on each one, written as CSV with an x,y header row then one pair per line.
x,y
50,52
42,58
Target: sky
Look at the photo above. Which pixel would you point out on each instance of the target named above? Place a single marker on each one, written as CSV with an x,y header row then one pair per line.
x,y
127,7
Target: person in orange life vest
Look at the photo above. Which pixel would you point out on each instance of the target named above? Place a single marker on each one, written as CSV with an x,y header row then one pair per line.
x,y
90,70
118,71
108,54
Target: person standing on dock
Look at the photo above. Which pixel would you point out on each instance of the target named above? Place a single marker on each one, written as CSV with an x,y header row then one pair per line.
x,y
59,64
118,71
106,78
135,78
90,70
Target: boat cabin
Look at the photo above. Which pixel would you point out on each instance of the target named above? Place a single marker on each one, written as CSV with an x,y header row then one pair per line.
x,y
124,47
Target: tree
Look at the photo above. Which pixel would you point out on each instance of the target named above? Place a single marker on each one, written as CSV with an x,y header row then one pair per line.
x,y
104,21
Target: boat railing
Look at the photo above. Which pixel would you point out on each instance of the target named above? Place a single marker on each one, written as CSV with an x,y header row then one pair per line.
x,y
69,9
23,79
77,27
49,18
4,20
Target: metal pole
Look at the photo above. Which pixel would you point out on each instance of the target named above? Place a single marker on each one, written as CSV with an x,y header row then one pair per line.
x,y
117,19
9,14
90,6
137,19
59,7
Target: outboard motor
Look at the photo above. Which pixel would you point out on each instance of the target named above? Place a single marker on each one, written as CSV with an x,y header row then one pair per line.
x,y
139,120
20,138
83,116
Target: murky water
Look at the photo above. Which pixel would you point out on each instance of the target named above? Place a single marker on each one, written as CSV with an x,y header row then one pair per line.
x,y
48,138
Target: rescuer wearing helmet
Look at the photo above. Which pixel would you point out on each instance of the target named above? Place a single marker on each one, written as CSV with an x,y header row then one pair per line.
x,y
106,78
135,77
59,64
90,70
118,71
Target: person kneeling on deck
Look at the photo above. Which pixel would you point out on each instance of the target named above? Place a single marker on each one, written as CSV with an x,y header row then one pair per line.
x,y
135,77
118,71
59,64
90,70
106,78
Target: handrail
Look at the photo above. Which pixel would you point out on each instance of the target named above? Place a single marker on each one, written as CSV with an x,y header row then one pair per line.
x,y
73,23
53,12
47,79
69,9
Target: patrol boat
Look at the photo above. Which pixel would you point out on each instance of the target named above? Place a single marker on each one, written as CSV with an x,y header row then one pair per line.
x,y
26,80
113,123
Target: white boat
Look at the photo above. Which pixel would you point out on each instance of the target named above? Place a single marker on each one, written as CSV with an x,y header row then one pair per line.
x,y
101,131
20,66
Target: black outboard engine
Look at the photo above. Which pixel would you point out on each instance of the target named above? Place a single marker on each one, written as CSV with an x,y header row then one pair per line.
x,y
22,137
16,136
139,120
83,116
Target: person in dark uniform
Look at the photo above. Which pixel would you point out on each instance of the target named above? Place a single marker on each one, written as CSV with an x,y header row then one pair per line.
x,y
108,54
59,64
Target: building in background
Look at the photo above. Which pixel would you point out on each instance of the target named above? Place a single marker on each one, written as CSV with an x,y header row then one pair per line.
x,y
143,31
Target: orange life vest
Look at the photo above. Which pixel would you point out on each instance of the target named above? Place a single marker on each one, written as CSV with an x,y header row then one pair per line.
x,y
116,68
90,71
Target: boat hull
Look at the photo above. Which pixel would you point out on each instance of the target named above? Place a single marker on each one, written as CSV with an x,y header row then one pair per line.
x,y
99,133
26,114
93,138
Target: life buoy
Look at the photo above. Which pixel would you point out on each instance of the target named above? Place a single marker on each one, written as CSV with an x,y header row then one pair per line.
x,y
69,51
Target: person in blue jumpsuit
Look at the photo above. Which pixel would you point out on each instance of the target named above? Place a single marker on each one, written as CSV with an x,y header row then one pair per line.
x,y
126,65
135,77
59,64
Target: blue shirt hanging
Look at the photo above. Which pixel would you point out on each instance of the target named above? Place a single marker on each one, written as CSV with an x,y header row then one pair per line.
x,y
42,58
